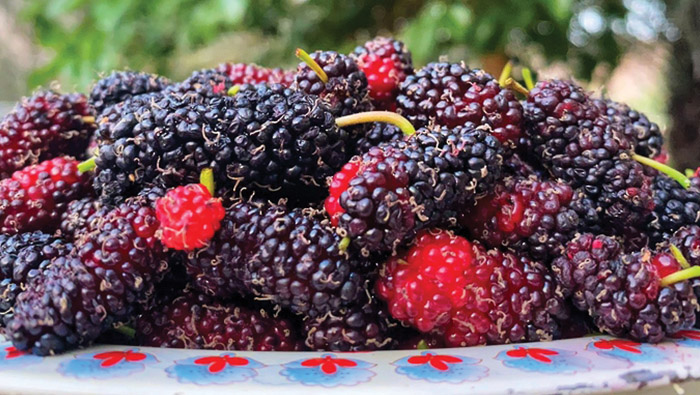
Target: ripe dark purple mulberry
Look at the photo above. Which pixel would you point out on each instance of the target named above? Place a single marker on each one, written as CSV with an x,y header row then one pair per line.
x,y
22,258
291,258
364,326
525,214
44,126
196,321
450,94
623,292
112,271
121,85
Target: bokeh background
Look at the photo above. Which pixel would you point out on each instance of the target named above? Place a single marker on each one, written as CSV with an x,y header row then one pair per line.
x,y
643,52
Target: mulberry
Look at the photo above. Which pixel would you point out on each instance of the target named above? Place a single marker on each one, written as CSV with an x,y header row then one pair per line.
x,y
44,126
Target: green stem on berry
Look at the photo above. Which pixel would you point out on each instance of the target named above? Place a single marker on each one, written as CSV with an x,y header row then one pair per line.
x,y
668,170
377,116
681,275
422,345
527,77
88,119
306,58
233,90
206,178
87,165
679,257
505,73
344,244
125,330
516,86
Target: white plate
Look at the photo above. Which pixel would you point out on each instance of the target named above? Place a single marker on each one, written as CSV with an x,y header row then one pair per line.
x,y
591,364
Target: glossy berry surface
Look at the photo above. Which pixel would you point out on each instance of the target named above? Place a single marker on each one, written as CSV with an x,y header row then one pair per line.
x,y
622,292
197,322
35,197
369,199
24,257
189,216
111,272
386,63
471,295
450,94
122,85
248,73
44,126
526,215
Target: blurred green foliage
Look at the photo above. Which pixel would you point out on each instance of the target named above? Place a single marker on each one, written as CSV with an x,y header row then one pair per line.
x,y
85,37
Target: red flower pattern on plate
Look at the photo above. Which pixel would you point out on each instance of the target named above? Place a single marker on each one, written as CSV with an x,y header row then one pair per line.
x,y
439,362
688,334
13,352
217,364
624,345
538,354
328,364
112,358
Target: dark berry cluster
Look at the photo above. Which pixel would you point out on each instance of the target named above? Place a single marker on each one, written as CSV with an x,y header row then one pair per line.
x,y
24,257
644,135
111,271
121,85
674,207
450,94
345,89
527,215
288,257
35,197
623,292
353,204
362,326
381,199
44,126
165,140
575,141
196,321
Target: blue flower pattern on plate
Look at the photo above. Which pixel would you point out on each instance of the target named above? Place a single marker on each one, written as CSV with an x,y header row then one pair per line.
x,y
328,371
11,358
543,360
627,350
437,368
687,338
222,369
106,365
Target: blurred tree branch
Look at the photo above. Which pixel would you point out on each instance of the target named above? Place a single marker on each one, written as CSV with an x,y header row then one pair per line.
x,y
684,85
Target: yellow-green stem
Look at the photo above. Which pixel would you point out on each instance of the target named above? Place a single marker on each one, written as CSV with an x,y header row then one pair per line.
x,y
681,275
306,58
689,173
527,77
422,345
87,165
125,330
377,116
233,90
505,73
678,254
516,86
344,243
206,178
668,170
88,119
